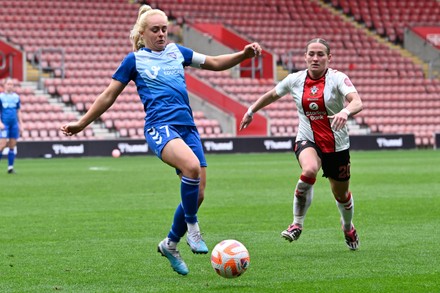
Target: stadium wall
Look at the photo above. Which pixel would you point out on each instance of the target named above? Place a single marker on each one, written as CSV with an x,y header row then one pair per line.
x,y
213,38
13,60
259,124
416,41
103,148
227,121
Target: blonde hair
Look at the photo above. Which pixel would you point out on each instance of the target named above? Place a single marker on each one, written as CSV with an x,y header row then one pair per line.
x,y
8,79
4,82
141,23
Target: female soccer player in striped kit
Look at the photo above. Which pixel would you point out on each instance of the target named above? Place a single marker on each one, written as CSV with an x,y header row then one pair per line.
x,y
157,68
322,139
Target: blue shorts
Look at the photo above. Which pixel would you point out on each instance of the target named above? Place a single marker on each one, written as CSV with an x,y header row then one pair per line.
x,y
10,131
157,137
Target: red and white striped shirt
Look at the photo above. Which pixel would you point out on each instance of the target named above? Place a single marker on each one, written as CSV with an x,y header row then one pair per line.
x,y
316,99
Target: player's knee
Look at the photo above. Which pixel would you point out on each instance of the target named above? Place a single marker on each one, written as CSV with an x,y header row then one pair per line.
x,y
310,168
310,171
192,170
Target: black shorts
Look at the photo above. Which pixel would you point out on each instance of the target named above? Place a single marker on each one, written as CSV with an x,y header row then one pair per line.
x,y
334,165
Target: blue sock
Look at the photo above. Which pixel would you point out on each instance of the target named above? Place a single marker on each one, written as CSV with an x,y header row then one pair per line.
x,y
179,227
11,157
186,211
189,192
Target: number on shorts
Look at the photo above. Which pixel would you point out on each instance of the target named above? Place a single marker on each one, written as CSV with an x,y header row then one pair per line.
x,y
344,171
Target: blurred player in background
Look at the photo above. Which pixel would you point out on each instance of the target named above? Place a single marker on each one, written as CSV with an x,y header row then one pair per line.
x,y
322,139
10,123
157,68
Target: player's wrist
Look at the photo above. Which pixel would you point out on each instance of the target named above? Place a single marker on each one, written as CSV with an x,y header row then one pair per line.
x,y
346,111
249,112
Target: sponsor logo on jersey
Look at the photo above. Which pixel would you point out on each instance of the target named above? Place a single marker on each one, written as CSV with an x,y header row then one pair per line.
x,y
154,73
314,90
172,55
313,106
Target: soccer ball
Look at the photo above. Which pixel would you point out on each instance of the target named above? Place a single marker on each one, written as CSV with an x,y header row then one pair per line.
x,y
116,153
230,258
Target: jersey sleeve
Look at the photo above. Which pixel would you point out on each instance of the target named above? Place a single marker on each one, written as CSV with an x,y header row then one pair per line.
x,y
126,70
187,55
345,85
191,58
284,86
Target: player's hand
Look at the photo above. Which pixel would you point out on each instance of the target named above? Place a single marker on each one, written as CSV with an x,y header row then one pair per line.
x,y
247,119
71,128
339,120
252,50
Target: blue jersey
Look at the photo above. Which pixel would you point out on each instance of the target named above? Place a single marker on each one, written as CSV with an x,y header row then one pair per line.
x,y
9,105
160,82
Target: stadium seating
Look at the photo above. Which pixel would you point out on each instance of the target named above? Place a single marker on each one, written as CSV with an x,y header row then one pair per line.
x,y
43,119
389,18
380,72
94,37
389,82
406,84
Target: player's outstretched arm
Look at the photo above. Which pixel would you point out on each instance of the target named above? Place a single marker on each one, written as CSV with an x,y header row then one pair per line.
x,y
266,99
226,61
101,104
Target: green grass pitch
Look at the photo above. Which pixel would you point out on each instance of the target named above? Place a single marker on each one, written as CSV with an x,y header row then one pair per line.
x,y
93,225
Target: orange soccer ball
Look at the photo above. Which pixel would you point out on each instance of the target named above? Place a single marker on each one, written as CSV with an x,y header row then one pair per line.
x,y
230,258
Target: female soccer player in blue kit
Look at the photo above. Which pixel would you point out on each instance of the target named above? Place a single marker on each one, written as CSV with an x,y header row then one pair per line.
x,y
10,122
157,68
